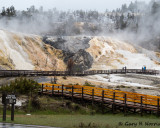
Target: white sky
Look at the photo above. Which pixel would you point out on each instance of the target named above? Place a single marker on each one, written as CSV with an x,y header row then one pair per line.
x,y
100,5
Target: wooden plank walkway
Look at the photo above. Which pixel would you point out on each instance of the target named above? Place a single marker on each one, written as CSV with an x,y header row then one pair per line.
x,y
116,100
17,73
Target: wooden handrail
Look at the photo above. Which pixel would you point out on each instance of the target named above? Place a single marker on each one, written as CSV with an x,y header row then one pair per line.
x,y
108,93
14,73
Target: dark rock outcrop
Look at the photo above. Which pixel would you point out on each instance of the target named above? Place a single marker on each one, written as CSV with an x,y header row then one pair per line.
x,y
82,60
70,44
73,48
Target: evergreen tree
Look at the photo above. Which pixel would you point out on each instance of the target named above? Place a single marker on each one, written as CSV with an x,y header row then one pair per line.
x,y
131,7
3,11
123,24
12,11
155,8
124,8
117,21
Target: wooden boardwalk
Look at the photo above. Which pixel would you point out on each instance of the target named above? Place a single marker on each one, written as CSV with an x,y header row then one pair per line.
x,y
17,73
116,100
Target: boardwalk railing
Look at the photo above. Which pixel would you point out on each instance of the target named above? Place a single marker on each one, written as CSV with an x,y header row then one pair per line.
x,y
15,73
107,96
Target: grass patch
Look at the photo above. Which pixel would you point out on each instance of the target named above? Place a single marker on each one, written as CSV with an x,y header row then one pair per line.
x,y
46,105
84,121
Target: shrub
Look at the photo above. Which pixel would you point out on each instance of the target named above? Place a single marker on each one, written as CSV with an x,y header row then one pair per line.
x,y
64,77
88,84
138,87
122,86
35,103
21,86
133,90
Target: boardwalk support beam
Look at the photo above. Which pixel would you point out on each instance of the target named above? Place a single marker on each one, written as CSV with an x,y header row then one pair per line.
x,y
52,90
141,107
158,107
72,92
42,89
62,90
102,101
92,98
113,104
125,104
82,95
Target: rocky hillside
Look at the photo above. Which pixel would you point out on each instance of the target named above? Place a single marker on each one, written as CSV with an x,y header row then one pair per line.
x,y
24,51
21,51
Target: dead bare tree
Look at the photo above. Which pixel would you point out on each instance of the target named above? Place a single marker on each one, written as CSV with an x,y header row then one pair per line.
x,y
70,65
46,60
54,64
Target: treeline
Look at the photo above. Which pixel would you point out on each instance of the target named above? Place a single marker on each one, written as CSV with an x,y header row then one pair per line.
x,y
10,11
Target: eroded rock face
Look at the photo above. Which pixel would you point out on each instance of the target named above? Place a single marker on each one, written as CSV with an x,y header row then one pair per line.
x,y
82,60
32,52
101,53
73,48
24,51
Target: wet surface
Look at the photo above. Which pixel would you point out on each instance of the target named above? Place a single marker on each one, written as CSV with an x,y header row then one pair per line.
x,y
154,80
10,125
42,79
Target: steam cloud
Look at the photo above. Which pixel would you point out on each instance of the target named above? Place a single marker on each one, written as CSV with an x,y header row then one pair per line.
x,y
57,23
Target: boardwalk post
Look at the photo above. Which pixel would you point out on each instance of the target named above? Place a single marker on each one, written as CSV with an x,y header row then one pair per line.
x,y
46,89
125,104
52,90
4,74
62,90
12,112
141,109
82,94
92,98
58,89
18,73
158,107
11,74
102,101
42,89
113,104
4,105
72,92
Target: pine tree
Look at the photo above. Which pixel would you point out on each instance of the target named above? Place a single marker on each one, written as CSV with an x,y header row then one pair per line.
x,y
155,8
3,11
123,24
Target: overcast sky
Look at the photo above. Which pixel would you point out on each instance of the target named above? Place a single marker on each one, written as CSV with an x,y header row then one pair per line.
x,y
100,5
